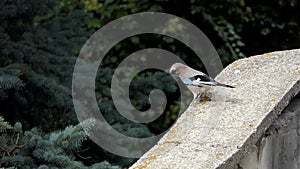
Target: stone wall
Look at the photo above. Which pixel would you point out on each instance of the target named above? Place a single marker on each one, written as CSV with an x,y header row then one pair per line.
x,y
238,128
279,147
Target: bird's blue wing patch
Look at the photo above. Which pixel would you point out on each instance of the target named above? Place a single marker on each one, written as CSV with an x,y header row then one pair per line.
x,y
187,81
196,81
204,78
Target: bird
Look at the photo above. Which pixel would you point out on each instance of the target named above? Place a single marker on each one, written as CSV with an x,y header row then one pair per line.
x,y
196,81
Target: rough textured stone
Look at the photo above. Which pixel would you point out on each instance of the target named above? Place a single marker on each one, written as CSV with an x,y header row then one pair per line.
x,y
218,133
278,148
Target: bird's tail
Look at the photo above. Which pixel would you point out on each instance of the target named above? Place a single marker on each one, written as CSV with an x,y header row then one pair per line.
x,y
224,85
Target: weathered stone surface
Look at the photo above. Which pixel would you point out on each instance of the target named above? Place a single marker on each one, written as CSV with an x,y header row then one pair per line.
x,y
279,147
218,133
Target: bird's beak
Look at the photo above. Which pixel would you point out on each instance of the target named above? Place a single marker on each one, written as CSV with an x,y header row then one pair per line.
x,y
171,71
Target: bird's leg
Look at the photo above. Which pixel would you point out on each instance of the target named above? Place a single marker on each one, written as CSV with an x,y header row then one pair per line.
x,y
205,97
202,97
197,96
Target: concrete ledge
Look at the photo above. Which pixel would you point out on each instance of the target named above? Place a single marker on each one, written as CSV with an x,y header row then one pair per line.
x,y
219,133
279,147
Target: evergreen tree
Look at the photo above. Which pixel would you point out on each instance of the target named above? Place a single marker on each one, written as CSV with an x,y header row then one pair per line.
x,y
37,58
40,41
35,149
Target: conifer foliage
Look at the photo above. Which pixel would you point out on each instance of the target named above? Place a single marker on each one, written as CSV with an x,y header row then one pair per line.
x,y
37,56
39,44
35,149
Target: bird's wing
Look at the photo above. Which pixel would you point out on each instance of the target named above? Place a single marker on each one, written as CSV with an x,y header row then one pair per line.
x,y
200,80
190,72
187,81
193,77
205,80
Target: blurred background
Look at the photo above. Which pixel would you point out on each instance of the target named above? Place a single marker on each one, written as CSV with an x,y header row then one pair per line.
x,y
40,41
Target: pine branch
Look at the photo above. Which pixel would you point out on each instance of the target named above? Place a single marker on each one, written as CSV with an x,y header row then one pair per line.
x,y
4,125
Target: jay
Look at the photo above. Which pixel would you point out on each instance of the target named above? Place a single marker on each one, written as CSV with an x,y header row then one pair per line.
x,y
196,81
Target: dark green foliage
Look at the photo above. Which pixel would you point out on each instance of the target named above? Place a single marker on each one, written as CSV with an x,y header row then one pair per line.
x,y
237,28
37,58
246,28
35,86
40,41
34,149
4,125
32,78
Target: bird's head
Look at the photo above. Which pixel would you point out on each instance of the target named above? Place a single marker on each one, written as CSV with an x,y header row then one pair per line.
x,y
177,68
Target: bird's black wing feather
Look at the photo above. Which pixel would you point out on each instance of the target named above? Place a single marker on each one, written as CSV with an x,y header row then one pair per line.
x,y
205,81
203,78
